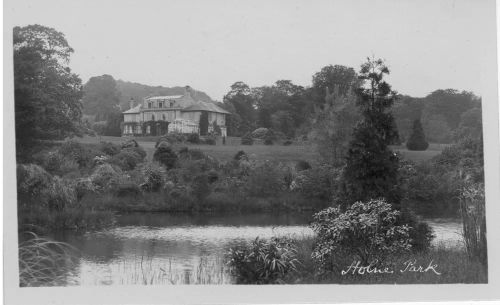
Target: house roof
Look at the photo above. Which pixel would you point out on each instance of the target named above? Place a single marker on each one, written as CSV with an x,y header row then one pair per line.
x,y
136,109
165,97
204,106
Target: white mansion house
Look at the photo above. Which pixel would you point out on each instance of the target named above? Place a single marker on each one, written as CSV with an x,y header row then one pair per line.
x,y
158,115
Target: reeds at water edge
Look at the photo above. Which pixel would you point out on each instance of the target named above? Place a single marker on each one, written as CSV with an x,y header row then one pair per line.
x,y
472,210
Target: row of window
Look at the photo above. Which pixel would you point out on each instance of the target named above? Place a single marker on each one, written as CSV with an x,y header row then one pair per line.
x,y
160,104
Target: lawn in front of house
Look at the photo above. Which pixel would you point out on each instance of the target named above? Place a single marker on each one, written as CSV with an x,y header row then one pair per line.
x,y
259,151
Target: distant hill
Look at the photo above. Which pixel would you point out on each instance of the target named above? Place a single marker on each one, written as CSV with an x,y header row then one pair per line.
x,y
139,91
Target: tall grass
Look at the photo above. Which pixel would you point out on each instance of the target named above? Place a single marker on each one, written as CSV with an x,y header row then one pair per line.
x,y
472,210
144,271
43,262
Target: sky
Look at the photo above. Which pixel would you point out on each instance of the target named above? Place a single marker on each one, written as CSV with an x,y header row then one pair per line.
x,y
209,45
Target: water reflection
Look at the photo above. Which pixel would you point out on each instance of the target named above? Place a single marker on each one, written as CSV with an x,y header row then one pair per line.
x,y
149,248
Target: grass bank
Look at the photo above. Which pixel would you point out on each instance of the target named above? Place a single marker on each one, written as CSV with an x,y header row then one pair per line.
x,y
261,152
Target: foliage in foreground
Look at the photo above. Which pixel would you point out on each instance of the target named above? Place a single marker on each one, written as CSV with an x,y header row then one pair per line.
x,y
43,262
364,232
472,209
264,261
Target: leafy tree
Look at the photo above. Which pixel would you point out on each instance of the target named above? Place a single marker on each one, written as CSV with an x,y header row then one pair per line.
x,y
436,127
204,123
241,105
101,97
47,94
417,139
372,168
341,77
471,125
333,125
451,103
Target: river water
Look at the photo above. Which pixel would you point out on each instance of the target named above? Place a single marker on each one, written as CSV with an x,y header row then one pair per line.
x,y
159,249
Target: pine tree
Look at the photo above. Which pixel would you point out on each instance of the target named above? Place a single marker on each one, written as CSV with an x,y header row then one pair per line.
x,y
417,138
372,168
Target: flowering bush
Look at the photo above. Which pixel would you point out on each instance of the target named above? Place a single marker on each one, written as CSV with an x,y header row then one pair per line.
x,y
365,231
263,262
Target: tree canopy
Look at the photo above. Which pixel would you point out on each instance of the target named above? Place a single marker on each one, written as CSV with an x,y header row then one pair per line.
x,y
101,97
371,169
47,94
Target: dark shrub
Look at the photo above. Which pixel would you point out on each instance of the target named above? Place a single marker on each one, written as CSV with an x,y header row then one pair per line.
x,y
130,143
209,140
247,139
193,138
421,234
240,155
37,187
319,182
288,142
265,180
260,133
417,138
264,262
213,176
268,140
127,159
183,150
196,154
127,190
200,186
162,139
109,148
166,156
57,164
154,176
137,150
76,151
83,187
106,176
171,138
302,165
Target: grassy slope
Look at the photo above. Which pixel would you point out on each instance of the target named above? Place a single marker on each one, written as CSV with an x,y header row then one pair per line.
x,y
261,152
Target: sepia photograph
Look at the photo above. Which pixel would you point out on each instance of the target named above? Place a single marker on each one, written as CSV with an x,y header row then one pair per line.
x,y
251,143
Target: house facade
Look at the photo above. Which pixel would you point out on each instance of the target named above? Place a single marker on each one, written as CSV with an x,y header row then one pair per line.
x,y
158,115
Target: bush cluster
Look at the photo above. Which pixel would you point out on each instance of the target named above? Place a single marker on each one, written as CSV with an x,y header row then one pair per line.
x,y
165,155
366,231
264,261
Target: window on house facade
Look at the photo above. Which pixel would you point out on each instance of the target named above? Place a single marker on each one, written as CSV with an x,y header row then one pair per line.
x,y
152,117
150,105
164,117
160,104
171,104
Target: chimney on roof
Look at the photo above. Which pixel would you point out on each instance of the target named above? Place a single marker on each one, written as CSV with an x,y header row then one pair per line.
x,y
131,103
187,91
